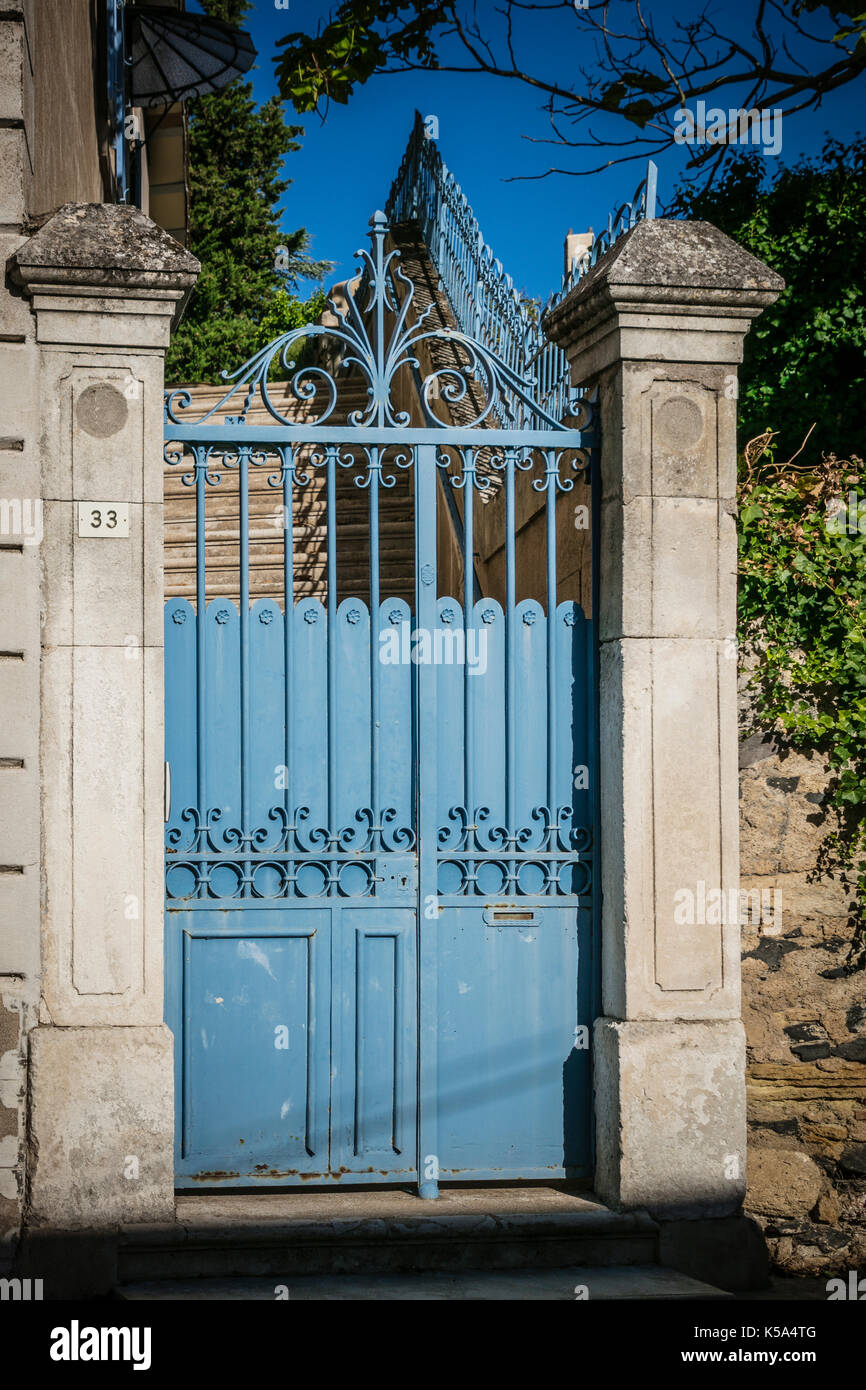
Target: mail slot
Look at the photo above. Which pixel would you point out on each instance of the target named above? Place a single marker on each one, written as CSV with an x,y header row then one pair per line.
x,y
512,916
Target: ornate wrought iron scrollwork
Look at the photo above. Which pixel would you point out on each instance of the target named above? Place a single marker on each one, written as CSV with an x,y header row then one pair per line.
x,y
529,859
200,845
508,390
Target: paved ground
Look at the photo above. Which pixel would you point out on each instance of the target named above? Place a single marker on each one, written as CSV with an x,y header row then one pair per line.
x,y
558,1285
385,1203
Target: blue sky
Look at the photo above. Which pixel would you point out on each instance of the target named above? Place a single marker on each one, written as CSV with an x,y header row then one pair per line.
x,y
347,163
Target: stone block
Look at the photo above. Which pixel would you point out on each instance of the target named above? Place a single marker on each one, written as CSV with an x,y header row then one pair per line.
x,y
685,573
19,813
104,322
783,1182
19,697
19,375
19,611
12,163
107,812
670,1117
60,524
101,1126
103,924
11,72
662,703
19,921
109,574
679,432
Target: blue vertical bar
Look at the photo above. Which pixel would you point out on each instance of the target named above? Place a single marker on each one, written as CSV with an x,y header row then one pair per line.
x,y
552,481
201,455
289,622
117,95
375,799
331,522
510,664
244,638
361,1100
652,175
468,602
428,927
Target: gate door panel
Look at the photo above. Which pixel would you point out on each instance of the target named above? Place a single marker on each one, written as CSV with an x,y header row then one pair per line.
x,y
507,1018
253,1073
380,772
374,1109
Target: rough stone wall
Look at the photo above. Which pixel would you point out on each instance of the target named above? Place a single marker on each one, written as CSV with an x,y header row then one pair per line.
x,y
804,1006
11,1126
21,525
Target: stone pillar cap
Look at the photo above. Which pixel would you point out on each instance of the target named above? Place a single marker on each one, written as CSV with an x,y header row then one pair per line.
x,y
110,245
665,262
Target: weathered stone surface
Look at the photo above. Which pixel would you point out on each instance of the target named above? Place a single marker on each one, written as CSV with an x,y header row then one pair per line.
x,y
101,1126
685,255
102,243
802,1002
654,326
689,263
102,286
670,1112
666,707
827,1209
808,1082
853,1159
781,812
668,291
805,1020
782,1182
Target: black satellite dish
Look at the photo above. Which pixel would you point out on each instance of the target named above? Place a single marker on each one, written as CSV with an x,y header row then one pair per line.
x,y
172,56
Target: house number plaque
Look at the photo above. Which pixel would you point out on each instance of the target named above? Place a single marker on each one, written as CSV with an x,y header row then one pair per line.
x,y
104,519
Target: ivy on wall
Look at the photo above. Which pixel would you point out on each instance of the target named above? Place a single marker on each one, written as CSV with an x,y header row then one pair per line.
x,y
802,619
802,569
805,357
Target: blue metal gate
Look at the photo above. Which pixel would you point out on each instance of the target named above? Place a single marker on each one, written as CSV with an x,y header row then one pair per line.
x,y
379,844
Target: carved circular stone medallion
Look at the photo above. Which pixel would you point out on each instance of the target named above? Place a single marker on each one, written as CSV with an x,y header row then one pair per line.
x,y
680,423
102,410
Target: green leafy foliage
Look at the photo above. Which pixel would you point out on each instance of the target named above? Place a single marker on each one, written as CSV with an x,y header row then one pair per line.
x,y
854,29
802,579
358,41
805,357
251,266
802,622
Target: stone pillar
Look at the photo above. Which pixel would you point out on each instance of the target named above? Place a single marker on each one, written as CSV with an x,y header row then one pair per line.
x,y
105,285
658,327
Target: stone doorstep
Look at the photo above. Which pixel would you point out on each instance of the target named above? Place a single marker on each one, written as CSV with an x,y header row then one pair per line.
x,y
383,1230
561,1285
